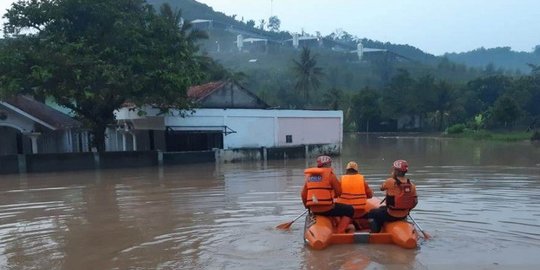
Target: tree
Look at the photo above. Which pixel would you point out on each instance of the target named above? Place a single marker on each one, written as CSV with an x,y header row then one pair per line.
x,y
274,23
250,24
308,74
396,94
443,102
262,24
366,107
93,56
506,110
333,98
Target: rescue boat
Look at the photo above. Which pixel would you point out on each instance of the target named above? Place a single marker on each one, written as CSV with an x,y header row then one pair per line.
x,y
319,231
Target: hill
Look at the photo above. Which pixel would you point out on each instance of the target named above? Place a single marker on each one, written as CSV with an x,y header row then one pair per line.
x,y
501,57
266,57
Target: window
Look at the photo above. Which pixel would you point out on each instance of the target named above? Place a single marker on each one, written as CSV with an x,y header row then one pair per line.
x,y
288,138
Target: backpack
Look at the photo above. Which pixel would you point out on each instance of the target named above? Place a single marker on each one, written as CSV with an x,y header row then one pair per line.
x,y
405,200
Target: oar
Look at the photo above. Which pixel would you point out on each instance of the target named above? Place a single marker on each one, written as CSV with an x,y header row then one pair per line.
x,y
426,235
287,225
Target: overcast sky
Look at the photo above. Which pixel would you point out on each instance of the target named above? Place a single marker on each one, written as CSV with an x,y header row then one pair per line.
x,y
434,26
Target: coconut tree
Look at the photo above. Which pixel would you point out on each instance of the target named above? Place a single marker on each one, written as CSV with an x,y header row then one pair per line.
x,y
308,74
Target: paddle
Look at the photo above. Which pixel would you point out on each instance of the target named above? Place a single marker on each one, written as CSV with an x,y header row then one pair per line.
x,y
287,225
426,235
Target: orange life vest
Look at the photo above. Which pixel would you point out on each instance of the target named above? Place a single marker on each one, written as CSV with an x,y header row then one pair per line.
x,y
353,191
319,189
405,200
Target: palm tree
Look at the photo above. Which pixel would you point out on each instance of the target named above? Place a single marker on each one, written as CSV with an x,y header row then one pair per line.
x,y
308,74
175,17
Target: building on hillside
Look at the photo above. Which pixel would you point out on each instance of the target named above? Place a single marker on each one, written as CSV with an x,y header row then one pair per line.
x,y
303,41
201,24
230,117
29,127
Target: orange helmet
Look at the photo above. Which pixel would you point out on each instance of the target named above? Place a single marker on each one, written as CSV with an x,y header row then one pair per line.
x,y
401,165
323,160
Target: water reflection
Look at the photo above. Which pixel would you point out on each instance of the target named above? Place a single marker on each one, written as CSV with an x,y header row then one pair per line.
x,y
478,199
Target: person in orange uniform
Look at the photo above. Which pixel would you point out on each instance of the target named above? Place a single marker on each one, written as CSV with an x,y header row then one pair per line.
x,y
400,197
354,189
320,188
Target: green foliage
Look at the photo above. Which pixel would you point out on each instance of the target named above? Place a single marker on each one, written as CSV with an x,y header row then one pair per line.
x,y
478,122
506,110
308,74
92,56
496,57
274,23
333,98
365,107
456,129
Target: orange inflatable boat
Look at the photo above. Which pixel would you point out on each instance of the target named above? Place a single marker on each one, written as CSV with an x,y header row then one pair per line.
x,y
319,231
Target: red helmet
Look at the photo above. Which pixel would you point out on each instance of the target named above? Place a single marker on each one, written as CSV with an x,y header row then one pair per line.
x,y
323,160
401,165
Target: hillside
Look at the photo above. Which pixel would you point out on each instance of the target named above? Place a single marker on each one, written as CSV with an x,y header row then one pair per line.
x,y
192,10
501,57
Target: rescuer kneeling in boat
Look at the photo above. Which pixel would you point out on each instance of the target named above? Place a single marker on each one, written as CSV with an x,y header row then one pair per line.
x,y
354,190
320,189
400,197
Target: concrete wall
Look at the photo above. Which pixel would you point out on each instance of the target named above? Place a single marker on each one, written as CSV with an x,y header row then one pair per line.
x,y
251,132
111,160
305,130
59,162
10,164
266,128
188,157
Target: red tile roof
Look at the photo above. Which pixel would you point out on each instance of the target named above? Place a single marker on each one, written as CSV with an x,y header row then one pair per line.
x,y
199,92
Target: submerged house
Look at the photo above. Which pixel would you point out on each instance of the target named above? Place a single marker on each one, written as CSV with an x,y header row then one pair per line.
x,y
30,127
229,118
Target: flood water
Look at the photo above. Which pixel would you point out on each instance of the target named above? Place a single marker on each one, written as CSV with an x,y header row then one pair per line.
x,y
480,201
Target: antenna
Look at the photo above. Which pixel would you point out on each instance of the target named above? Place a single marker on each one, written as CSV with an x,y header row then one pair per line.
x,y
271,8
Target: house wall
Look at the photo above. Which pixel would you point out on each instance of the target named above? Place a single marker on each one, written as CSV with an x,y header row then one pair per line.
x,y
309,130
251,132
253,128
267,128
15,121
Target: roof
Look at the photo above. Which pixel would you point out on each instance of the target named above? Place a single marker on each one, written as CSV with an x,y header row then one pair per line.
x,y
200,21
43,113
199,92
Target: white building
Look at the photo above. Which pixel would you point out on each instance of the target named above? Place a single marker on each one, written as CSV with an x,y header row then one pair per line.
x,y
230,117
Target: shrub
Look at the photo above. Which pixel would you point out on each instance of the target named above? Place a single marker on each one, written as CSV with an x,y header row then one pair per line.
x,y
456,129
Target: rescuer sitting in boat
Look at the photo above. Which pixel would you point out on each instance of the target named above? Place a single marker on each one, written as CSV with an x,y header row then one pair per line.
x,y
354,190
400,197
320,188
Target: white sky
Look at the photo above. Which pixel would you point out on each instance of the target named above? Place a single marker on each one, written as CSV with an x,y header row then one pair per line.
x,y
434,26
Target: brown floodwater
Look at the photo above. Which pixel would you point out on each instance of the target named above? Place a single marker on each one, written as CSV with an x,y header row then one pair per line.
x,y
480,201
